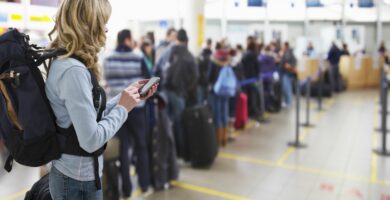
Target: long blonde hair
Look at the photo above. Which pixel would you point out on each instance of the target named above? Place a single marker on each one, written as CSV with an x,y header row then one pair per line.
x,y
80,29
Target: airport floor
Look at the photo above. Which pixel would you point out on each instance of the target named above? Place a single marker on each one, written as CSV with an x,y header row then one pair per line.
x,y
338,162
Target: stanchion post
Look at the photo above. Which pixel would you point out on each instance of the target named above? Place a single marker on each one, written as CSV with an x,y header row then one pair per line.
x,y
320,88
384,87
297,143
308,94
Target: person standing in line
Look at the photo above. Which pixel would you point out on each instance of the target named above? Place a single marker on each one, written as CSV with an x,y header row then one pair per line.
x,y
147,51
334,60
165,45
219,104
207,51
163,54
122,67
204,61
288,71
150,36
180,83
382,49
69,91
251,70
345,51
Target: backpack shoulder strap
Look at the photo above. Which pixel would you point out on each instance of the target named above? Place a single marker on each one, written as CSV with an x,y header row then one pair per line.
x,y
99,96
99,102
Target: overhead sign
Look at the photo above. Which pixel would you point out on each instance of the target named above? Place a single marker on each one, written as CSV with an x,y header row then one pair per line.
x,y
16,17
313,3
3,17
255,3
43,18
366,3
163,24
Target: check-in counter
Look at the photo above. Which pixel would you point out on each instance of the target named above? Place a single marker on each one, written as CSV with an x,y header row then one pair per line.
x,y
309,67
360,71
374,72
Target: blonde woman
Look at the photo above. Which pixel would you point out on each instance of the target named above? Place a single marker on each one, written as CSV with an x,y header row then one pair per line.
x,y
80,28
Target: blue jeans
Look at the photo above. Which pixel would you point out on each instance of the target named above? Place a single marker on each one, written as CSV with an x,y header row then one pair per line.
x,y
176,106
221,110
64,188
201,94
287,89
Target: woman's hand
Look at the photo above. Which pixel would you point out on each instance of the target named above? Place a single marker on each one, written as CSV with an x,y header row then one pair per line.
x,y
130,98
140,83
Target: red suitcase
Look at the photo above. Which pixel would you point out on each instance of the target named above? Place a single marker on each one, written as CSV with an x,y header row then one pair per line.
x,y
241,111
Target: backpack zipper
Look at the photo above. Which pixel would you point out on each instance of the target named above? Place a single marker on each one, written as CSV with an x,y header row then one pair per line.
x,y
12,116
12,75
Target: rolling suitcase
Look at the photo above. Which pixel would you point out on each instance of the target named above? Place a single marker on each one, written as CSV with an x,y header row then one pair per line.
x,y
241,111
199,131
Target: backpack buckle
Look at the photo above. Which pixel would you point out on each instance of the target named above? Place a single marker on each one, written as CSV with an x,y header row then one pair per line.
x,y
15,77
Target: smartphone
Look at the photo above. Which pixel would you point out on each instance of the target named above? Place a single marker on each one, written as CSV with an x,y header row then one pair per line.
x,y
144,90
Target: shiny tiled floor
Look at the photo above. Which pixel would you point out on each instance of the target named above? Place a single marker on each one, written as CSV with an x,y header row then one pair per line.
x,y
337,164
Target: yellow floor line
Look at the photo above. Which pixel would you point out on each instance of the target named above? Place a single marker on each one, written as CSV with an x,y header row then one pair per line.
x,y
207,191
246,159
304,169
15,195
136,193
305,133
250,125
374,157
285,155
384,183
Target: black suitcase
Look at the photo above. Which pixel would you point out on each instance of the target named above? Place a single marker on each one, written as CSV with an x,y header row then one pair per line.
x,y
200,136
273,97
315,89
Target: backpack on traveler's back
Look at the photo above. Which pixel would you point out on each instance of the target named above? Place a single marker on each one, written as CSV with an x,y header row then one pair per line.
x,y
226,84
182,74
27,122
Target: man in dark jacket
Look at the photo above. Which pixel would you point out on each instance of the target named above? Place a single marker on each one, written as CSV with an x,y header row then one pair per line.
x,y
180,81
251,70
334,60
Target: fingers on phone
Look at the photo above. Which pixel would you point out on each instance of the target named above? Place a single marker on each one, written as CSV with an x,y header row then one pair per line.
x,y
142,82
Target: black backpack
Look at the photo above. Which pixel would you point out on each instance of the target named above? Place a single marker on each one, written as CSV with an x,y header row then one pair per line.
x,y
182,74
27,122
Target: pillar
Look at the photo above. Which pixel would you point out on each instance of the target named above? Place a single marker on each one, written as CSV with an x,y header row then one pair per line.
x,y
194,23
